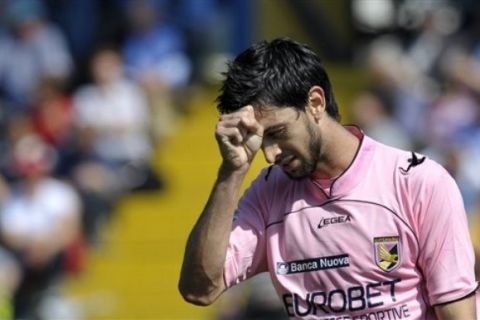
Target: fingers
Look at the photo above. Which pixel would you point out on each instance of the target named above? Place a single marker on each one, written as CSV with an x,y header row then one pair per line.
x,y
244,112
239,136
229,134
244,118
252,125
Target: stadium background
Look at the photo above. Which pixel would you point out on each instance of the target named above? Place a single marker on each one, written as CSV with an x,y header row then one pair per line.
x,y
131,267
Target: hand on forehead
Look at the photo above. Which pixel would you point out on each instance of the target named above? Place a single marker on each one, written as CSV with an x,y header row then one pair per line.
x,y
269,115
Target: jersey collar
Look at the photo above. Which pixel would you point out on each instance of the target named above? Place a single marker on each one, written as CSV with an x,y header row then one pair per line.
x,y
355,172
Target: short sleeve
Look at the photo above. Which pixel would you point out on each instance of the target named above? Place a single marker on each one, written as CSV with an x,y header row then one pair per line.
x,y
446,251
246,254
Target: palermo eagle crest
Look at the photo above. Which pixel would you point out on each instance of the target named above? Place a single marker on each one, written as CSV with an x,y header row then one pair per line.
x,y
387,252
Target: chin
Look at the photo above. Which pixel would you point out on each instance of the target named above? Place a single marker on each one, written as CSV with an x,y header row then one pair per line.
x,y
297,174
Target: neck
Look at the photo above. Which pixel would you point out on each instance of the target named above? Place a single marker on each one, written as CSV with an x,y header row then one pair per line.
x,y
338,151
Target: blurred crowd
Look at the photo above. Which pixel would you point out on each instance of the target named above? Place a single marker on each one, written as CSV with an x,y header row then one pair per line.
x,y
424,88
88,89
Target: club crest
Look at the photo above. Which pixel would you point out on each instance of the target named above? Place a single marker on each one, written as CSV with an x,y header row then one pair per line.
x,y
387,252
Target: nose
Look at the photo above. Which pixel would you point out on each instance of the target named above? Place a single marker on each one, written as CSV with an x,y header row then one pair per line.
x,y
271,151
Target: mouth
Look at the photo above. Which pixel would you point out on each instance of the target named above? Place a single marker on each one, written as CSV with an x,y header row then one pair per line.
x,y
286,162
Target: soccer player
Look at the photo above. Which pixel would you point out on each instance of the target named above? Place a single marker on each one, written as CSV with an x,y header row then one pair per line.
x,y
347,227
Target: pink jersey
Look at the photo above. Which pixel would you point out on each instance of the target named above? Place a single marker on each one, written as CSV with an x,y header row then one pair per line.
x,y
387,241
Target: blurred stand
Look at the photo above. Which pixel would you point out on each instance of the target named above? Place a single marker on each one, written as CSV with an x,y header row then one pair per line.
x,y
372,112
112,121
422,62
112,116
40,220
31,49
155,57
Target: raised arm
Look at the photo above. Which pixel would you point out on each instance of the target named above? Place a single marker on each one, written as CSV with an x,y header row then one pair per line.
x,y
239,137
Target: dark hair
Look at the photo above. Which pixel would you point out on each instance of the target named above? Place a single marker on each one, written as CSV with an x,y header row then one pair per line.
x,y
280,73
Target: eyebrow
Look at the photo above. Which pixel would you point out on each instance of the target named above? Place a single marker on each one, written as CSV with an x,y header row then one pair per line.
x,y
274,127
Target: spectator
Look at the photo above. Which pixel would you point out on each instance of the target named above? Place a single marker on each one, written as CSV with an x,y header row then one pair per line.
x,y
112,115
155,57
396,77
154,50
456,110
33,49
39,220
17,127
215,30
371,112
52,115
52,120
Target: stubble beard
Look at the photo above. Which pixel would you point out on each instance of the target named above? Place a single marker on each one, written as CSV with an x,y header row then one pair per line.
x,y
309,163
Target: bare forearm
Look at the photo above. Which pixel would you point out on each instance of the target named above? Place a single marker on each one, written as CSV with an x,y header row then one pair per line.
x,y
459,310
239,137
201,279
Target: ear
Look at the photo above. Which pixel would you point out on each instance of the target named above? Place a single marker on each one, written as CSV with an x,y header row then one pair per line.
x,y
316,105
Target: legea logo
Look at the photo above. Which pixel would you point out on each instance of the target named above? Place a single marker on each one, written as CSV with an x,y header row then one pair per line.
x,y
325,222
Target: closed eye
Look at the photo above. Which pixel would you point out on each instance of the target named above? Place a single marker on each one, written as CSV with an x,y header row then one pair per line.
x,y
277,133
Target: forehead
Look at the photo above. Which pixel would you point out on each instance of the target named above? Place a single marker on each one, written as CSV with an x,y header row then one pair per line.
x,y
269,116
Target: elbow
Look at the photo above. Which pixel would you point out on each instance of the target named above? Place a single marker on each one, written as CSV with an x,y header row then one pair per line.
x,y
197,297
198,300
